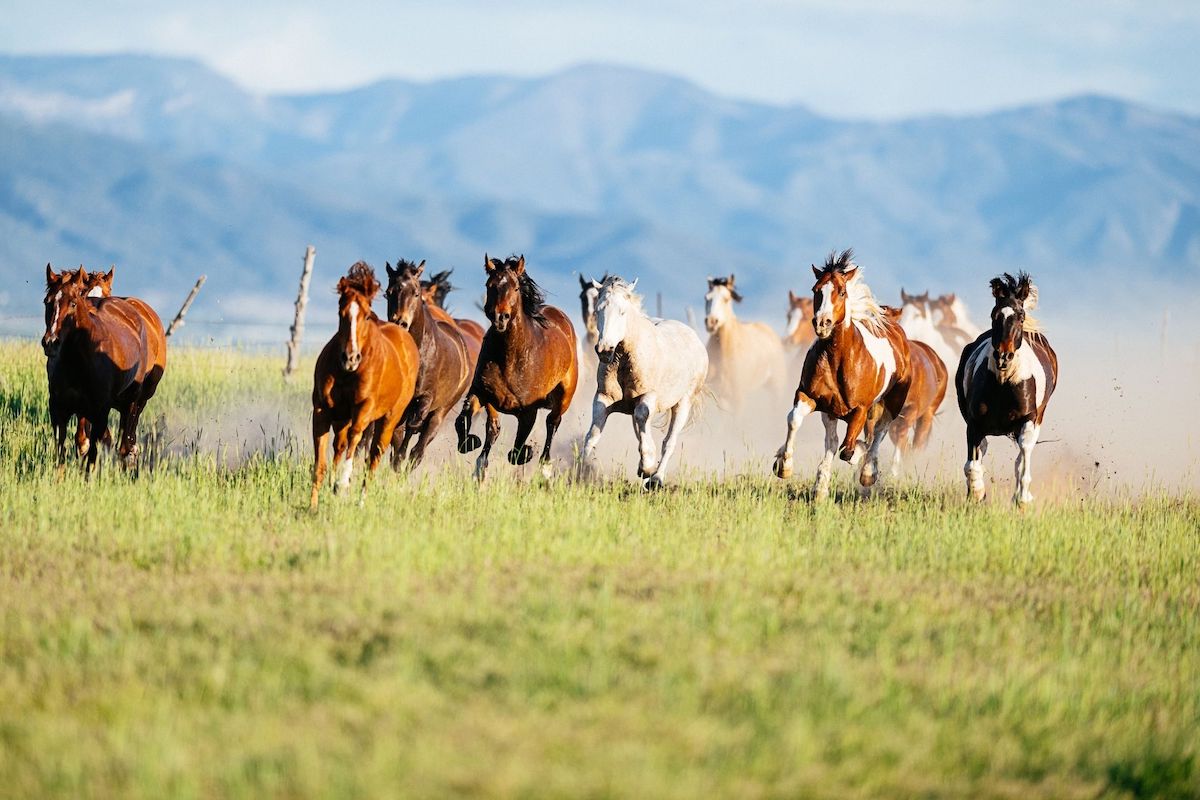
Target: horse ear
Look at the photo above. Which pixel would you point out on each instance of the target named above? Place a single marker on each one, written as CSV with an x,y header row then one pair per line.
x,y
816,272
520,268
420,267
51,276
998,288
732,278
583,282
850,274
488,266
904,295
950,298
792,299
387,265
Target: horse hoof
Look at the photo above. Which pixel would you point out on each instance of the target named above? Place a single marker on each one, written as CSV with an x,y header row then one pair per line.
x,y
520,457
782,467
469,442
652,483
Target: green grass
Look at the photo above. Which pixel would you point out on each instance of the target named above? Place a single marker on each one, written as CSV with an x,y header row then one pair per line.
x,y
197,632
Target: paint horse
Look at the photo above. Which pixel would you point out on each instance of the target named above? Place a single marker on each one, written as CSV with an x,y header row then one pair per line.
x,y
647,366
1004,383
527,363
742,356
364,378
101,353
445,365
953,321
857,371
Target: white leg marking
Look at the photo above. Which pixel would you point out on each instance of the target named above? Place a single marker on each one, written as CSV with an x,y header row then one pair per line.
x,y
1026,440
343,472
783,457
825,468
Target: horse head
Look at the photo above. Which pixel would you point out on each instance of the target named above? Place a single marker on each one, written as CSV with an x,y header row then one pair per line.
x,y
1015,297
404,293
830,292
63,289
589,291
799,310
503,301
944,304
99,284
437,287
355,293
718,302
615,303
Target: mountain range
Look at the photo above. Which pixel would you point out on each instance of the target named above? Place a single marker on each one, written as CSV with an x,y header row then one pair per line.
x,y
169,170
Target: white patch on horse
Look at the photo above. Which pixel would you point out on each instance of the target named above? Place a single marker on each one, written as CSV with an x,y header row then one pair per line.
x,y
880,350
1007,312
980,353
826,304
354,328
95,291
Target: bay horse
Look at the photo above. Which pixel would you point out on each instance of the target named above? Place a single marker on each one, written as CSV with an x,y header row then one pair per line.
x,y
101,353
926,391
1004,382
528,362
742,356
647,366
435,290
365,376
858,371
445,366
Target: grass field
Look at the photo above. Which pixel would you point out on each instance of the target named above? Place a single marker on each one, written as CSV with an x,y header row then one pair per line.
x,y
197,632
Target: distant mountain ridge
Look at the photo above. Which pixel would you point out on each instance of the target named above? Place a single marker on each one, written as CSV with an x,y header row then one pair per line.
x,y
168,169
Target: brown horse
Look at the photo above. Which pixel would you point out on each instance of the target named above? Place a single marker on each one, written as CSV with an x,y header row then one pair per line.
x,y
857,371
445,365
101,353
528,362
800,334
434,291
1004,382
926,390
365,375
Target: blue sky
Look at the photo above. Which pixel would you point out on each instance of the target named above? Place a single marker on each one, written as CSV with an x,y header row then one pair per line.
x,y
857,58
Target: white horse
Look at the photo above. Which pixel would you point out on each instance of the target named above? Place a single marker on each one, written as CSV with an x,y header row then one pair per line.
x,y
647,366
745,356
916,319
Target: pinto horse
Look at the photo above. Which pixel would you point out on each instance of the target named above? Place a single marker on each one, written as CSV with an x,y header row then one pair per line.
x,y
857,371
1004,382
528,362
365,375
953,321
101,353
445,364
926,391
742,356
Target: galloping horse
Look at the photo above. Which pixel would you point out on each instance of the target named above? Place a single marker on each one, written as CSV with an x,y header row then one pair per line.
x,y
365,375
916,318
527,362
926,390
647,366
445,366
742,356
952,320
101,353
1004,382
434,291
858,371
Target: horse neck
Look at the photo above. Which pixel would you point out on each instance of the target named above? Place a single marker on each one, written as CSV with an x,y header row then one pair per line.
x,y
519,334
638,327
82,317
422,323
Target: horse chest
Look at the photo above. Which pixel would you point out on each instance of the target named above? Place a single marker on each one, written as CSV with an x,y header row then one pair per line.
x,y
1001,406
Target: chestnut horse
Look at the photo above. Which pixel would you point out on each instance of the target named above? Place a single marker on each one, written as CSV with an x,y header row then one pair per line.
x,y
857,371
445,365
742,356
528,362
365,375
926,391
101,353
1004,382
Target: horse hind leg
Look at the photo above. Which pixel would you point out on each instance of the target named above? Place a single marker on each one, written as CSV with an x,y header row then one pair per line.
x,y
870,468
647,464
899,434
679,418
467,441
429,431
825,468
558,407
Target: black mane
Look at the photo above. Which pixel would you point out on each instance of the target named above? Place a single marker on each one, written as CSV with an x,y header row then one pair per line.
x,y
441,285
839,262
533,299
1006,286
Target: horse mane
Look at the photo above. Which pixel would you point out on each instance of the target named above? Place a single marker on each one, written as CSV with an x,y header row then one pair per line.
x,y
440,283
1023,289
617,284
861,305
361,278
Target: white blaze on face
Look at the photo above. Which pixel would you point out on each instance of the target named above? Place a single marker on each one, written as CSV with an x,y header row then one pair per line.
x,y
717,306
825,306
353,311
880,350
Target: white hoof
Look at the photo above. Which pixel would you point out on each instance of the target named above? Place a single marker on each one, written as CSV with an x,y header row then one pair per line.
x,y
783,465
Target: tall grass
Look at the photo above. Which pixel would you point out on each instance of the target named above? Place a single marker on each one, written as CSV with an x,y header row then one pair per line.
x,y
196,631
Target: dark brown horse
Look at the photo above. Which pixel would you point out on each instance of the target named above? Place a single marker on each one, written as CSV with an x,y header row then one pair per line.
x,y
857,371
527,363
926,390
445,368
101,353
365,376
1004,382
435,290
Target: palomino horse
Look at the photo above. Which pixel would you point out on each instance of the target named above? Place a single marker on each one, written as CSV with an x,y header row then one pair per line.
x,y
445,365
742,356
1004,382
527,363
365,375
953,321
916,318
926,390
800,334
101,353
858,371
647,366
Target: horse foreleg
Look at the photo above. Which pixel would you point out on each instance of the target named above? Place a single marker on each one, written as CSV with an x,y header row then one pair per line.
x,y
384,430
467,441
679,418
641,429
99,429
81,438
825,468
802,406
60,442
491,433
1026,440
320,430
973,469
521,452
855,424
600,411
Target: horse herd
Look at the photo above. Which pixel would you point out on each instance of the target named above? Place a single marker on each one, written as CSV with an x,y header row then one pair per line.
x,y
381,382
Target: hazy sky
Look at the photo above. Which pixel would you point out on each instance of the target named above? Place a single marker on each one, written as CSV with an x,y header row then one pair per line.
x,y
853,58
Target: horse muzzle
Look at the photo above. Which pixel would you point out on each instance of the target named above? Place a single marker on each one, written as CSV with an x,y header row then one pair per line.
x,y
350,361
711,324
823,327
501,321
51,346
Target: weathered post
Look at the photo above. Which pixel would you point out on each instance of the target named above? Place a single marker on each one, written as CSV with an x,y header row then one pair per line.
x,y
293,345
183,309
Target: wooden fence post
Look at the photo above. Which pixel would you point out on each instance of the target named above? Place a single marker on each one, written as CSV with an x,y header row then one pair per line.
x,y
293,345
183,309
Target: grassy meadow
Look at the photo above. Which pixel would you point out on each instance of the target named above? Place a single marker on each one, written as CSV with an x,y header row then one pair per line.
x,y
197,632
